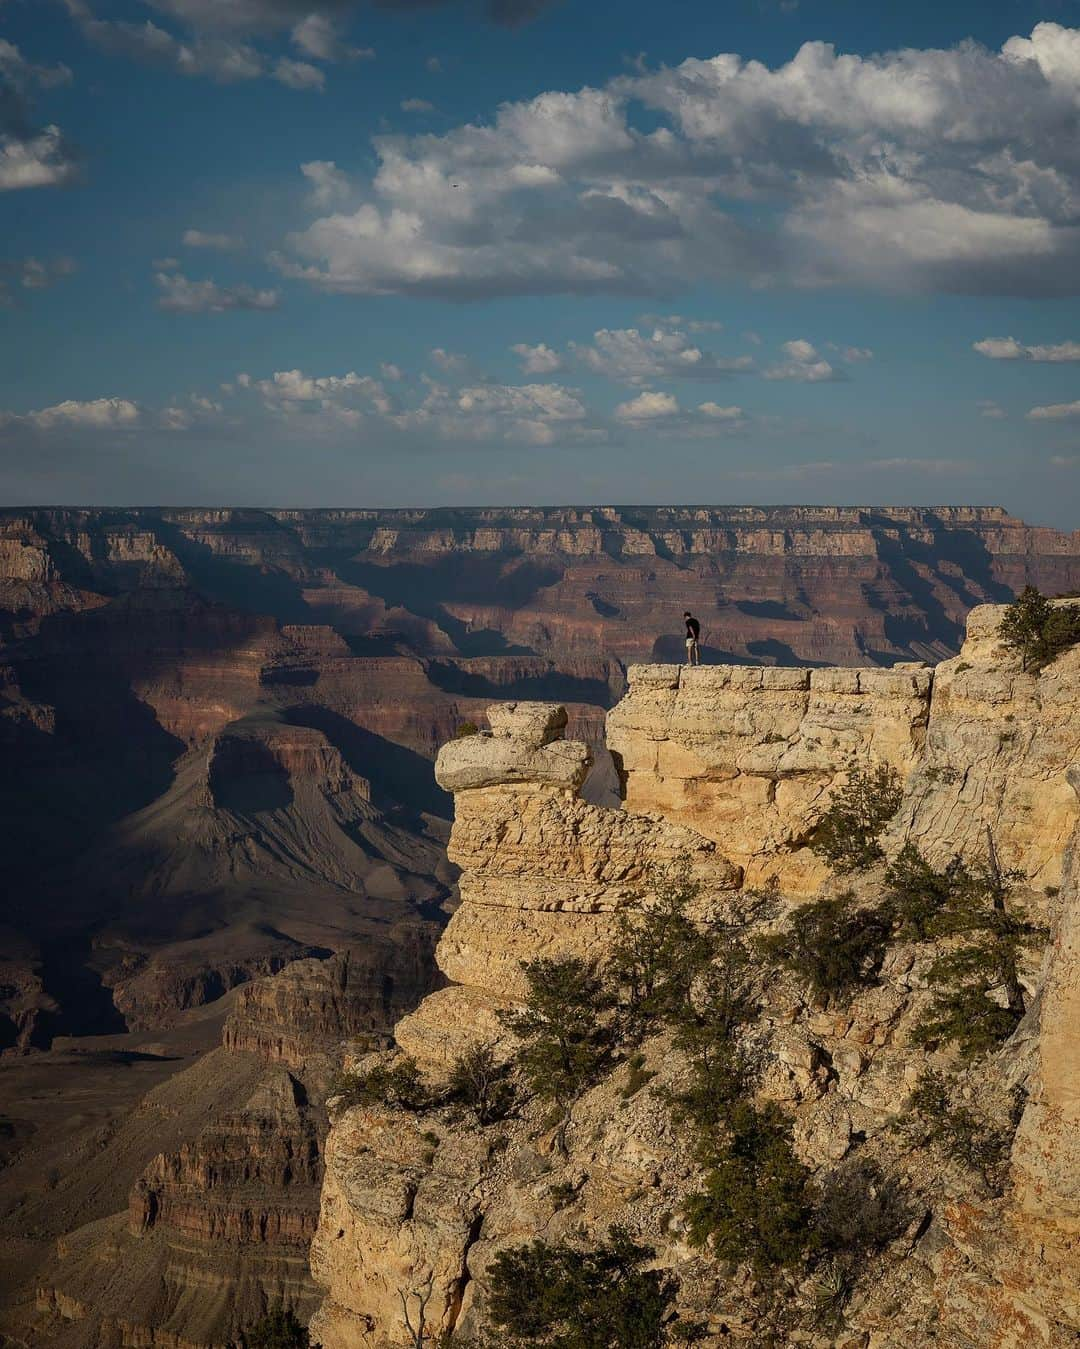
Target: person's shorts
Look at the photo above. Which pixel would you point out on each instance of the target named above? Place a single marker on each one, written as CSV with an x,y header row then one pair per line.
x,y
691,642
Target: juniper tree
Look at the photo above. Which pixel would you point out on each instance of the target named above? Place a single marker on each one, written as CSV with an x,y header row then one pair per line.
x,y
1037,629
980,998
559,1297
564,1028
847,833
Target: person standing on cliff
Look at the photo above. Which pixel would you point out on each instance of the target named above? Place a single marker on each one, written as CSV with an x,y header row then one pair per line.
x,y
693,632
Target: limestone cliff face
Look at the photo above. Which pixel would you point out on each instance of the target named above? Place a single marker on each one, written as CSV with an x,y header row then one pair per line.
x,y
749,756
730,768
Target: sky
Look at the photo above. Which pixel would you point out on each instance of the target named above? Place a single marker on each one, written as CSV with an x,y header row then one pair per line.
x,y
453,252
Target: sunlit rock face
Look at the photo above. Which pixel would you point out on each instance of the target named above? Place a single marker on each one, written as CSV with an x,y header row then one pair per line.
x,y
726,771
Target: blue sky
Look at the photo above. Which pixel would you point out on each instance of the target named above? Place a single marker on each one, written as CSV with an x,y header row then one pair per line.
x,y
284,252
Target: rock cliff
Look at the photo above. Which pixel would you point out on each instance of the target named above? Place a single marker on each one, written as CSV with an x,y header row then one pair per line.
x,y
729,769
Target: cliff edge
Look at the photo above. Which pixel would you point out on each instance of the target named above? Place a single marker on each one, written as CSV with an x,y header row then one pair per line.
x,y
727,772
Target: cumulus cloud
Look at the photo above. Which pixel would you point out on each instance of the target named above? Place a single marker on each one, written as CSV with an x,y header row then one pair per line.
x,y
99,414
939,170
647,407
1009,349
329,185
41,160
30,156
539,359
207,52
299,74
633,357
183,296
1054,412
803,363
721,414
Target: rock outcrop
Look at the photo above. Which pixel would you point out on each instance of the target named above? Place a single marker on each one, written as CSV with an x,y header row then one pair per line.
x,y
727,771
750,756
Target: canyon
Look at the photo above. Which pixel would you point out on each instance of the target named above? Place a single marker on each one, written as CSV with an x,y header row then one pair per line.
x,y
226,848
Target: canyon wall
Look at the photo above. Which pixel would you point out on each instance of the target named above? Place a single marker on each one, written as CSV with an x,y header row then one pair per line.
x,y
728,770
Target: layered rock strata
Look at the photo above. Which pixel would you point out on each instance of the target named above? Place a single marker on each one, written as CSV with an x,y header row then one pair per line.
x,y
425,1202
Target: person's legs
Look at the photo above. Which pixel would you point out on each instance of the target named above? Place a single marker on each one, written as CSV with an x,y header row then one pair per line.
x,y
695,654
691,646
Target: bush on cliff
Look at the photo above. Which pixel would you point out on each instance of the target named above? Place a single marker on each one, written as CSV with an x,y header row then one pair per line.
x,y
556,1296
962,1132
565,1028
277,1329
847,833
658,955
1038,630
979,998
480,1082
916,895
399,1084
755,1202
836,945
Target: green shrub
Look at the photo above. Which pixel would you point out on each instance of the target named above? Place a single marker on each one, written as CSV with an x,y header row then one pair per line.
x,y
400,1085
658,953
916,895
1039,630
556,1296
835,945
479,1081
847,834
565,1028
277,1329
965,1135
755,1201
979,999
466,729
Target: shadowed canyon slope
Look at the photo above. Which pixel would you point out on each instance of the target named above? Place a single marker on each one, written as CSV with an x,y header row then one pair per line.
x,y
219,729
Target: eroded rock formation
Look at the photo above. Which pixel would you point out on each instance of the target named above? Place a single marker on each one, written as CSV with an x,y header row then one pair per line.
x,y
729,770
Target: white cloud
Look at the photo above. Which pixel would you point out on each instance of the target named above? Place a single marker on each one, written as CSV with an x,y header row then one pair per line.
x,y
416,105
994,411
537,360
40,160
647,407
633,357
1054,412
855,354
935,170
99,414
299,74
182,296
223,243
1009,349
319,37
449,362
329,185
721,414
803,363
